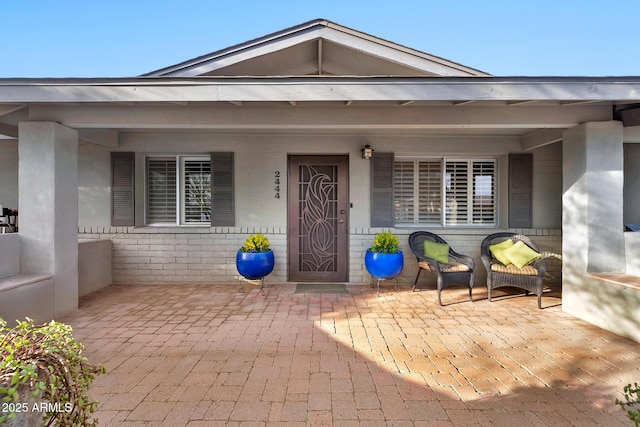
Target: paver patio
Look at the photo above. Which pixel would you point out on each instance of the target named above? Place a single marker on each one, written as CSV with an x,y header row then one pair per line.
x,y
208,355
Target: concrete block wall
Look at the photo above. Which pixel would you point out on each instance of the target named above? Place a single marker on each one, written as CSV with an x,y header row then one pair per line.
x,y
157,255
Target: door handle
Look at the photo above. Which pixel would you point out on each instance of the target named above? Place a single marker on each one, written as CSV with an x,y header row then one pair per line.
x,y
340,220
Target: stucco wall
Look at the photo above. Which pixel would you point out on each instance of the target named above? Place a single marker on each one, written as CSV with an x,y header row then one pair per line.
x,y
631,183
257,157
170,254
10,258
94,265
9,173
632,249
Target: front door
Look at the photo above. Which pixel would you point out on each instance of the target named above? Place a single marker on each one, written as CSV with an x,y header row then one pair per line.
x,y
318,218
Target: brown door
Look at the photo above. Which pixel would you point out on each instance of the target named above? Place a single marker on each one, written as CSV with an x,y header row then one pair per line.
x,y
318,218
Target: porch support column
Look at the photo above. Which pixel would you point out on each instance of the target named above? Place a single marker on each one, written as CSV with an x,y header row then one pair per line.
x,y
48,203
592,222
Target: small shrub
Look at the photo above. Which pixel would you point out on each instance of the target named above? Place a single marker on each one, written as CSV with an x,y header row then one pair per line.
x,y
386,243
47,361
632,400
256,243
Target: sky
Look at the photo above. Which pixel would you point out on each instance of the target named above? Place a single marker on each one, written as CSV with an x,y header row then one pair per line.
x,y
125,38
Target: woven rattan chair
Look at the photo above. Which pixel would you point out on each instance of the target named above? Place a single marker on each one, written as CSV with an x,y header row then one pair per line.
x,y
459,270
528,278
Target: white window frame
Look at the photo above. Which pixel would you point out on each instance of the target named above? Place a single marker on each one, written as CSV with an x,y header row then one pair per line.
x,y
443,221
180,161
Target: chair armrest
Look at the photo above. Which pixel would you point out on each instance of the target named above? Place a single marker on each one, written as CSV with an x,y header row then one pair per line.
x,y
463,259
486,260
541,266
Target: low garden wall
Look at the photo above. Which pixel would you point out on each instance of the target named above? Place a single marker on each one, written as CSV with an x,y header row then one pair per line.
x,y
156,255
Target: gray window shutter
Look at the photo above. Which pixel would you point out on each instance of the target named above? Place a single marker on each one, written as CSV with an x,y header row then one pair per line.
x,y
382,190
122,189
222,190
520,190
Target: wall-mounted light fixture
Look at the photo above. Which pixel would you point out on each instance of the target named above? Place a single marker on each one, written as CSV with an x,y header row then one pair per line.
x,y
367,152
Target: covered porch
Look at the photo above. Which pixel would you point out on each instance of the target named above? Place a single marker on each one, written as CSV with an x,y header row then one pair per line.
x,y
202,355
76,130
79,159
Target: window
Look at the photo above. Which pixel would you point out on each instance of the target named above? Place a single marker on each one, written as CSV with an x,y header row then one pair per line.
x,y
444,192
178,190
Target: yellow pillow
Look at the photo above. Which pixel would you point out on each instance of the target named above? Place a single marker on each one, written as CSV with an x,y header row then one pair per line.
x,y
520,254
498,249
437,251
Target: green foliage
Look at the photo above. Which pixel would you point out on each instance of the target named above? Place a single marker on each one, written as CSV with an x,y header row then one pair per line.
x,y
632,400
47,360
256,243
386,243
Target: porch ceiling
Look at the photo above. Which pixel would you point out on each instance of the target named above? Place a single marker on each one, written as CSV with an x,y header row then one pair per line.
x,y
534,109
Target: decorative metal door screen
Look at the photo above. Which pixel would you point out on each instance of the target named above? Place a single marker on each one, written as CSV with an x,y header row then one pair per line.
x,y
318,218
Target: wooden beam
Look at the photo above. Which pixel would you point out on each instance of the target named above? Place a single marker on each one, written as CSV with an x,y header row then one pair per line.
x,y
460,103
541,138
524,102
10,108
581,102
320,56
107,138
631,117
8,130
203,117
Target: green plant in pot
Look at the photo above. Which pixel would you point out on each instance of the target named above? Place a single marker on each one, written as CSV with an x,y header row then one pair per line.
x,y
44,378
384,260
255,259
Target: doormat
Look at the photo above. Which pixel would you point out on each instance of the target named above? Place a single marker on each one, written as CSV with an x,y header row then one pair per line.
x,y
321,288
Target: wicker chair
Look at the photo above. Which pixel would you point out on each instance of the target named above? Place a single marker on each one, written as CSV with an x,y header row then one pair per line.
x,y
528,278
459,270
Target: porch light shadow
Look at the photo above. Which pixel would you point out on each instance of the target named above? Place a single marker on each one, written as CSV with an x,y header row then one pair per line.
x,y
203,353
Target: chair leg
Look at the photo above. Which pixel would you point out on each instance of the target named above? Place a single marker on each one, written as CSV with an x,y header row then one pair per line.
x,y
439,289
415,282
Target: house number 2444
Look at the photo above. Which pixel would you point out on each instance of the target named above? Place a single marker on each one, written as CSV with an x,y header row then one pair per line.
x,y
276,184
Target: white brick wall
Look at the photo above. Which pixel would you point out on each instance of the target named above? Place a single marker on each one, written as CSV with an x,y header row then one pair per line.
x,y
159,255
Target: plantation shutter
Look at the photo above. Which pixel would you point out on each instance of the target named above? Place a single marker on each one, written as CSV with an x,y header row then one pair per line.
x,y
382,190
403,192
222,190
122,189
457,193
161,191
430,192
484,206
520,190
197,191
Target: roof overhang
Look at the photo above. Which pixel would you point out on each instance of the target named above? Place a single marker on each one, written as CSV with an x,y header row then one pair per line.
x,y
618,90
534,109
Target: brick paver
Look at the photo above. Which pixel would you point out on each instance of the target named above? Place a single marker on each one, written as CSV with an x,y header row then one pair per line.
x,y
208,355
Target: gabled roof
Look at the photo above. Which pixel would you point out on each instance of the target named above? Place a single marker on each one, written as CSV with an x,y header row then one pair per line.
x,y
318,47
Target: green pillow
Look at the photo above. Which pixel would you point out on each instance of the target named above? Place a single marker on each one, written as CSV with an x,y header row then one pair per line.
x,y
498,251
437,251
520,254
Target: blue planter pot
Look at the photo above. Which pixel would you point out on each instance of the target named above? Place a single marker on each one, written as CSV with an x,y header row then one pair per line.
x,y
254,265
383,266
